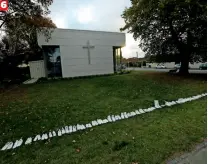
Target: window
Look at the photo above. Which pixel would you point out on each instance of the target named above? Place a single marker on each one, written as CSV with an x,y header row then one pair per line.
x,y
52,58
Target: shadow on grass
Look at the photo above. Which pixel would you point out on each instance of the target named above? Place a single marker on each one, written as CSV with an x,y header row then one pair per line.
x,y
119,145
193,76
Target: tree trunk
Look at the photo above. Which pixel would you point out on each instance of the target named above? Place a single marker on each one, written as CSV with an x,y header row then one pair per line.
x,y
184,51
186,55
184,69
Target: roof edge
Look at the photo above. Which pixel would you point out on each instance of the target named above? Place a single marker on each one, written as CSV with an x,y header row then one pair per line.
x,y
88,30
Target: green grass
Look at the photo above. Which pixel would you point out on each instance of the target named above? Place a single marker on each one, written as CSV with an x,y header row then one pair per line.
x,y
147,139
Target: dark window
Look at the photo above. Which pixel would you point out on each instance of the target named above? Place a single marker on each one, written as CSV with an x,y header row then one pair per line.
x,y
117,57
53,61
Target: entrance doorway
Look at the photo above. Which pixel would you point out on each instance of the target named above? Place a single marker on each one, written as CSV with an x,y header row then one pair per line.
x,y
117,58
52,57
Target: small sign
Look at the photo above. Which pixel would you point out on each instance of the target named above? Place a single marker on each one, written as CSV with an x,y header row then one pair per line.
x,y
4,4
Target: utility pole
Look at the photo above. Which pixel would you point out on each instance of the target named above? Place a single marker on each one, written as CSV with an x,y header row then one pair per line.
x,y
137,59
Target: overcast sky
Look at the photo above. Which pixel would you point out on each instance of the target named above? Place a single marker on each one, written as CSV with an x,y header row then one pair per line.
x,y
94,15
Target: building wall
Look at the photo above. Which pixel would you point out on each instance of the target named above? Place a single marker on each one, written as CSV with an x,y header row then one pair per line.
x,y
37,69
74,57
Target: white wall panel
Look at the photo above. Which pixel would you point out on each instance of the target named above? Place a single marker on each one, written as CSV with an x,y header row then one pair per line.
x,y
69,33
37,69
82,42
84,61
80,52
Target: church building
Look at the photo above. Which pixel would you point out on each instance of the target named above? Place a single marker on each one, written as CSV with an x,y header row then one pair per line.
x,y
71,53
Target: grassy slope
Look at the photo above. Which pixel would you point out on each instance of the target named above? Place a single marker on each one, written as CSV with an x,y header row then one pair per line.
x,y
149,138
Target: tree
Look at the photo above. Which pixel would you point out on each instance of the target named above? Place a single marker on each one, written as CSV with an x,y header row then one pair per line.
x,y
25,30
21,24
161,58
167,27
24,19
25,8
144,63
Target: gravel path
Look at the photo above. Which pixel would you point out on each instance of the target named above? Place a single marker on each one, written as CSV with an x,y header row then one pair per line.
x,y
197,156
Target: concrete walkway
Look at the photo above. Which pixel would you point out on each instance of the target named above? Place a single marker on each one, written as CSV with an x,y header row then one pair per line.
x,y
197,156
30,81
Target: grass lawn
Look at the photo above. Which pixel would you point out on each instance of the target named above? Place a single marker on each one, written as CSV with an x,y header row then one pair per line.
x,y
146,139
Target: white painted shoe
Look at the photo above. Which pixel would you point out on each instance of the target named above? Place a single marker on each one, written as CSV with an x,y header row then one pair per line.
x,y
44,137
54,134
137,112
67,129
18,143
7,146
88,125
133,114
74,129
37,138
59,133
157,105
28,141
141,111
109,119
70,129
113,118
63,131
94,123
100,122
122,116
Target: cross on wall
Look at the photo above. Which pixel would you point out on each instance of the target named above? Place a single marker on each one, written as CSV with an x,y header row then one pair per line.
x,y
88,47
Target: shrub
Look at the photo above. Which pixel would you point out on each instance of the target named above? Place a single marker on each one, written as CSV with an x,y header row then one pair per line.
x,y
144,63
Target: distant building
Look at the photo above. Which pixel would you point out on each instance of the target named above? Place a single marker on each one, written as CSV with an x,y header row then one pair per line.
x,y
133,60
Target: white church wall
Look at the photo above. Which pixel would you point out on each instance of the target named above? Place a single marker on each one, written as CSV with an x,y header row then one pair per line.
x,y
74,57
37,69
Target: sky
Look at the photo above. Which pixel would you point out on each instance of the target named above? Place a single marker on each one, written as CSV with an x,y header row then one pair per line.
x,y
94,15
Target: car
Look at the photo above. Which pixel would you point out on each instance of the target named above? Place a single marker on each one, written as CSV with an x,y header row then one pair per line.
x,y
203,66
160,66
177,66
121,66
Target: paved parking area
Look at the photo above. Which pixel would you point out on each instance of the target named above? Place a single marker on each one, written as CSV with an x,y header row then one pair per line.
x,y
194,71
197,156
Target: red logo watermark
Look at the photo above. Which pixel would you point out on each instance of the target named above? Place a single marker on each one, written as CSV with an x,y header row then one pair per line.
x,y
4,4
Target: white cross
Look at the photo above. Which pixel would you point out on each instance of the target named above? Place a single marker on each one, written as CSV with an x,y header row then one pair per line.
x,y
88,47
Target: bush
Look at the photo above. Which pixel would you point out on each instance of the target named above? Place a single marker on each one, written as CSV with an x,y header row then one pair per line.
x,y
44,79
14,74
131,64
123,72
